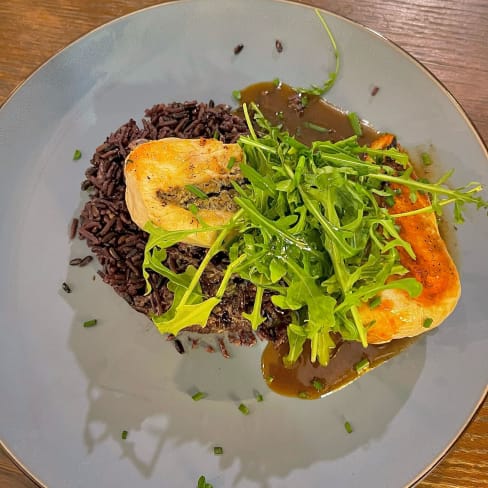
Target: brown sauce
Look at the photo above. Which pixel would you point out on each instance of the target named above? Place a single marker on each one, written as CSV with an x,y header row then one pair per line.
x,y
311,380
306,379
276,103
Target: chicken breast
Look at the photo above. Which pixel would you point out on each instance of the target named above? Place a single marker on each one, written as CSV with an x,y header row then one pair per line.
x,y
158,174
178,183
399,315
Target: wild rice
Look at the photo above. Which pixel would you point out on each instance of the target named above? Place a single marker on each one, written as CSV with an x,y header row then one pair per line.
x,y
73,228
118,243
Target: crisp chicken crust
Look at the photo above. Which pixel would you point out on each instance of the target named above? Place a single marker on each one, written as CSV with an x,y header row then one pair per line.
x,y
399,315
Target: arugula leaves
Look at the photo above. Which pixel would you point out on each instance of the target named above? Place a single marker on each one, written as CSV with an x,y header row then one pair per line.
x,y
319,90
310,232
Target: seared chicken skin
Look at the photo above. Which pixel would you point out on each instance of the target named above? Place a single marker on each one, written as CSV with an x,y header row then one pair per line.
x,y
158,174
164,178
399,315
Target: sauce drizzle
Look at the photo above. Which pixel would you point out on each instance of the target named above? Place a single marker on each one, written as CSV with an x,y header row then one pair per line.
x,y
317,120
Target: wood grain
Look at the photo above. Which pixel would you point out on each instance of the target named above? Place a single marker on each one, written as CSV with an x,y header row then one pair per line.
x,y
448,36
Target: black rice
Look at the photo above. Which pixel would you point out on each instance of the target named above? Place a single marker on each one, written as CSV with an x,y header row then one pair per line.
x,y
179,346
119,244
73,228
238,48
66,287
85,261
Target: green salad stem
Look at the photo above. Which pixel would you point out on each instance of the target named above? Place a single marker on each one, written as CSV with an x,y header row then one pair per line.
x,y
311,232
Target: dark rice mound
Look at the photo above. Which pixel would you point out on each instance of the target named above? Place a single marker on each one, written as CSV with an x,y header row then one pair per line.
x,y
119,244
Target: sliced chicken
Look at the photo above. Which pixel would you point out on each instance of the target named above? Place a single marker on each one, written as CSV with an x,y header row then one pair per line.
x,y
178,183
399,315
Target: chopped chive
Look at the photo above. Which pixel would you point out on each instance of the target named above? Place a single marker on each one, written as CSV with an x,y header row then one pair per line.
x,y
218,450
199,395
389,200
426,159
193,208
259,397
303,394
363,364
124,434
428,322
304,100
236,94
270,379
202,483
375,302
348,427
277,82
369,324
318,385
231,162
280,114
216,134
355,123
196,191
90,323
243,409
76,155
318,128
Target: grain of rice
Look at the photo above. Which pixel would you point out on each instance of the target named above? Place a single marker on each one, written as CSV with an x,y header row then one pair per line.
x,y
86,260
73,228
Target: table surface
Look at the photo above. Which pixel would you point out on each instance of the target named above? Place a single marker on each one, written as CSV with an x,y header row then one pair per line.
x,y
449,37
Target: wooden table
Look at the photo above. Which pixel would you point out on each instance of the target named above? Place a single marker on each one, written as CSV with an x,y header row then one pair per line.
x,y
447,36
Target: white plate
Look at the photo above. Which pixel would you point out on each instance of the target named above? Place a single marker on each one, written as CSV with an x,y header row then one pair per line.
x,y
68,392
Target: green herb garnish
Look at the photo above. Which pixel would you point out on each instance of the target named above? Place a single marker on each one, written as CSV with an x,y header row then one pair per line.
x,y
320,90
243,409
237,94
218,450
259,397
355,123
426,159
230,164
196,191
361,365
375,302
124,434
428,322
318,128
303,395
277,82
90,323
348,427
309,231
199,395
76,155
202,483
318,385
